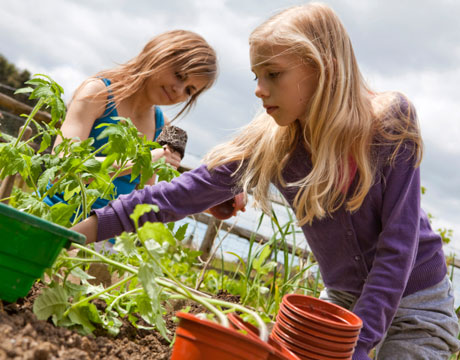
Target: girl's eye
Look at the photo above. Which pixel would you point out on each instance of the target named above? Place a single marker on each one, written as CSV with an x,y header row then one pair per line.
x,y
255,78
189,91
274,75
180,76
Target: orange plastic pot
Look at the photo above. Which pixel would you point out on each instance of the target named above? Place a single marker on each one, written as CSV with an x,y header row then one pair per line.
x,y
308,346
317,325
276,351
335,344
281,317
303,354
229,208
198,339
322,312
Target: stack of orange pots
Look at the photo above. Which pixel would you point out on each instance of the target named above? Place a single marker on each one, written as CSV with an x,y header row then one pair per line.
x,y
314,329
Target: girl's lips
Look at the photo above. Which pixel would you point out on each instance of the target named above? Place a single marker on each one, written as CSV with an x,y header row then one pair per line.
x,y
167,95
270,109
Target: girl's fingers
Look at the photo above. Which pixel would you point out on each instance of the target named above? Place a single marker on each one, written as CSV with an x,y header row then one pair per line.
x,y
172,157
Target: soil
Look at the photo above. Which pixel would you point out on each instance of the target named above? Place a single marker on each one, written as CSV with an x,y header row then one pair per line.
x,y
175,137
24,337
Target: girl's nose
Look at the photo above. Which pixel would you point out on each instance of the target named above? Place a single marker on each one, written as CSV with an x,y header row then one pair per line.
x,y
179,89
261,91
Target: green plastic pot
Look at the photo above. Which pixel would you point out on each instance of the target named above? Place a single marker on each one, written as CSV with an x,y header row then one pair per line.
x,y
28,246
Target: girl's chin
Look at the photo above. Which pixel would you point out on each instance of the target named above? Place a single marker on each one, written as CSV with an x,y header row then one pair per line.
x,y
283,122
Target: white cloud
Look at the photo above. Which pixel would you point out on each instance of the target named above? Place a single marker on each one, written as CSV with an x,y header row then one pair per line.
x,y
435,96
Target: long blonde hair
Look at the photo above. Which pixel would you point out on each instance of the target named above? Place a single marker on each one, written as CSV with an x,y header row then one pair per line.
x,y
185,51
343,121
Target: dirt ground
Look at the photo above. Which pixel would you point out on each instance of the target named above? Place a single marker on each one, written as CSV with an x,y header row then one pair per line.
x,y
23,337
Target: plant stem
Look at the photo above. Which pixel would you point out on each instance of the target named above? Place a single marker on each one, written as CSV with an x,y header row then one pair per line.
x,y
263,332
104,259
128,293
199,299
83,196
94,296
37,107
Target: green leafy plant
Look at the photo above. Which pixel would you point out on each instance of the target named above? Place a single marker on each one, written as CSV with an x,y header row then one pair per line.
x,y
144,284
73,168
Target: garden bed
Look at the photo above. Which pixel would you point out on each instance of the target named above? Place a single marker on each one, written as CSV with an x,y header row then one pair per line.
x,y
23,336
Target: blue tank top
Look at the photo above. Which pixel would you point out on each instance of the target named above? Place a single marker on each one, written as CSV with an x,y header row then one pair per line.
x,y
122,184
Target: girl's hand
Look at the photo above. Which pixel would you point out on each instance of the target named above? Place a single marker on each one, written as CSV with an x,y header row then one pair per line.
x,y
229,208
171,157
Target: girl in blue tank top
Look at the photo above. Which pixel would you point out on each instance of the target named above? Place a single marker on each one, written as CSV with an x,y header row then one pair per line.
x,y
173,68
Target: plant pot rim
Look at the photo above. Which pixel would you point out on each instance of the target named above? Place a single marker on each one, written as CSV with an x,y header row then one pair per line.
x,y
320,328
302,352
309,347
314,329
346,320
37,222
335,344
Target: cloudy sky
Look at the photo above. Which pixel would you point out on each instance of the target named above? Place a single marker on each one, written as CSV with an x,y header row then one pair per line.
x,y
408,45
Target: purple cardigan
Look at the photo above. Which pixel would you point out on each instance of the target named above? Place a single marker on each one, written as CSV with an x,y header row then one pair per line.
x,y
380,253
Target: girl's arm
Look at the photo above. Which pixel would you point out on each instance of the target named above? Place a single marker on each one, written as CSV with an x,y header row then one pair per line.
x,y
87,227
83,111
192,192
396,251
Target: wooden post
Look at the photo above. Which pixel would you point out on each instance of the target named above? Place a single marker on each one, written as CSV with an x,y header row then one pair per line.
x,y
18,108
7,184
209,237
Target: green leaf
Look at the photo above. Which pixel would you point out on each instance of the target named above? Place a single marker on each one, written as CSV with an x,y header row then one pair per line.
x,y
78,272
92,165
151,313
46,177
82,315
108,161
45,143
156,231
147,274
125,243
180,233
52,301
61,213
112,323
142,209
156,251
24,90
257,263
